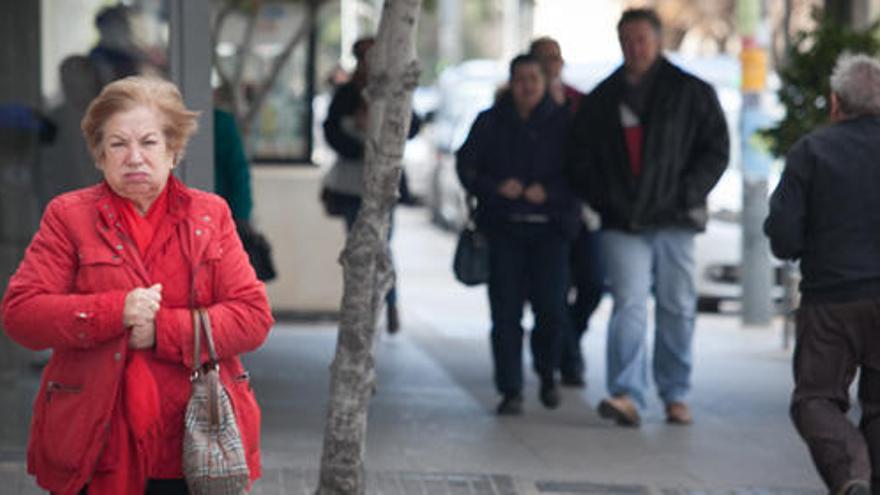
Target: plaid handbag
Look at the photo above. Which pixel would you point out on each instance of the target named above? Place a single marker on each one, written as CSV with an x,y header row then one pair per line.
x,y
214,461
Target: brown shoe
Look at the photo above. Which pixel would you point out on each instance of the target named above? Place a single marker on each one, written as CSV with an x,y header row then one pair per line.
x,y
621,409
678,413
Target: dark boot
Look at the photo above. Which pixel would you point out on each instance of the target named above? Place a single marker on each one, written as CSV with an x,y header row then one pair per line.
x,y
510,405
393,319
549,394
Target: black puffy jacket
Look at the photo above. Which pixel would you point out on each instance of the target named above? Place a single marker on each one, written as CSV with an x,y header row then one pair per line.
x,y
685,150
501,146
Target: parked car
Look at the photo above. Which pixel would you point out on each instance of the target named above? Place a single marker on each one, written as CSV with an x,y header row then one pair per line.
x,y
464,91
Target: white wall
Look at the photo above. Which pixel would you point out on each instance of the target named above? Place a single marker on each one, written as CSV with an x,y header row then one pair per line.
x,y
305,242
586,30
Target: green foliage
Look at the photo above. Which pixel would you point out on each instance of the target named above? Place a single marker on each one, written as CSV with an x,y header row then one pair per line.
x,y
805,77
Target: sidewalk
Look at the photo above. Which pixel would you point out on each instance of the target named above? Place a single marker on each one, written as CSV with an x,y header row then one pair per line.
x,y
432,427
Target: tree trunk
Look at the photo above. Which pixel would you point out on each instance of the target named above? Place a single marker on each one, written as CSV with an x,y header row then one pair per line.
x,y
367,269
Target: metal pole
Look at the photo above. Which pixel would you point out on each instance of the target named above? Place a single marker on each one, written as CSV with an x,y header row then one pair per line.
x,y
311,75
756,270
190,59
449,37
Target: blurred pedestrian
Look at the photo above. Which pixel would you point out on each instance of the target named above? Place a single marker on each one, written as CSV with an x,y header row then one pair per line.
x,y
345,130
65,163
110,283
587,277
647,146
116,54
232,171
825,212
512,162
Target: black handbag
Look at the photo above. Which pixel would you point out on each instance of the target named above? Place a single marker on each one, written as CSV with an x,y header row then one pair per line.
x,y
471,261
259,251
337,204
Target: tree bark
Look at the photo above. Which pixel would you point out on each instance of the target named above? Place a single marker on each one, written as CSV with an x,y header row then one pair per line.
x,y
367,269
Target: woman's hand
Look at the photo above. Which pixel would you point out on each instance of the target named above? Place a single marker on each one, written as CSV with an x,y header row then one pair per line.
x,y
142,336
139,313
511,189
535,194
141,305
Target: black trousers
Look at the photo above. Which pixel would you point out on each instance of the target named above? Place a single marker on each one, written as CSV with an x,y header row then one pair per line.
x,y
587,284
527,263
833,342
159,487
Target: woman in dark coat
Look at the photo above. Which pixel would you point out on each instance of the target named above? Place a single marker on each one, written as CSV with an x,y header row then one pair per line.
x,y
512,162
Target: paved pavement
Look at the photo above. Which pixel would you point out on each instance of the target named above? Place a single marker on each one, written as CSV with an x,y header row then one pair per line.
x,y
432,430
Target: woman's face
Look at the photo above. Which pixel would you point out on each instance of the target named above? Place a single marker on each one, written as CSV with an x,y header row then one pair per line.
x,y
527,85
135,158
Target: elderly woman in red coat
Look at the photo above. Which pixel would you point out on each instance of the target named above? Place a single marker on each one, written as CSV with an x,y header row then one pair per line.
x,y
109,282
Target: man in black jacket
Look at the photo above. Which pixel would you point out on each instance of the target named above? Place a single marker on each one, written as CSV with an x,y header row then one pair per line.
x,y
826,212
647,146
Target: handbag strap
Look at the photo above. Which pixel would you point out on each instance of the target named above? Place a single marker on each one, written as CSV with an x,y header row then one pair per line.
x,y
209,335
202,324
197,351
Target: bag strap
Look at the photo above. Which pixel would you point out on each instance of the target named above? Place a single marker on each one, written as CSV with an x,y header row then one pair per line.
x,y
197,351
209,335
202,324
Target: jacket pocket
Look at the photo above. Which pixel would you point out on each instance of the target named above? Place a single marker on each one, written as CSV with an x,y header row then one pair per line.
x,y
65,426
98,267
207,274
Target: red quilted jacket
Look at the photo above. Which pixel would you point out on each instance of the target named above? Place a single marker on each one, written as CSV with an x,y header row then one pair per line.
x,y
68,295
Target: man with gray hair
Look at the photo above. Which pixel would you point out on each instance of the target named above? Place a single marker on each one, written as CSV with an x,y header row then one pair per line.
x,y
826,213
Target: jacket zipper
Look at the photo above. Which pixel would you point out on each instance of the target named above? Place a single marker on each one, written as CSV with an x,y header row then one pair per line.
x,y
53,386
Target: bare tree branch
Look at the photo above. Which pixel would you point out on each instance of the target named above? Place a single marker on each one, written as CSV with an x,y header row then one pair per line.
x,y
278,64
244,51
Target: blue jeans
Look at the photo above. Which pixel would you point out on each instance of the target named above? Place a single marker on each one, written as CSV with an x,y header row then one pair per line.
x,y
527,262
662,260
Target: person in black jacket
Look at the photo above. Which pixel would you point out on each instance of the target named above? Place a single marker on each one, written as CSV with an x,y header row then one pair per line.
x,y
647,146
587,276
825,212
512,162
345,130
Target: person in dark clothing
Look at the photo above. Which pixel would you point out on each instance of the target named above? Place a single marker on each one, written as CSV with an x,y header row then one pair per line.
x,y
116,55
647,146
345,129
512,162
232,173
587,275
825,212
